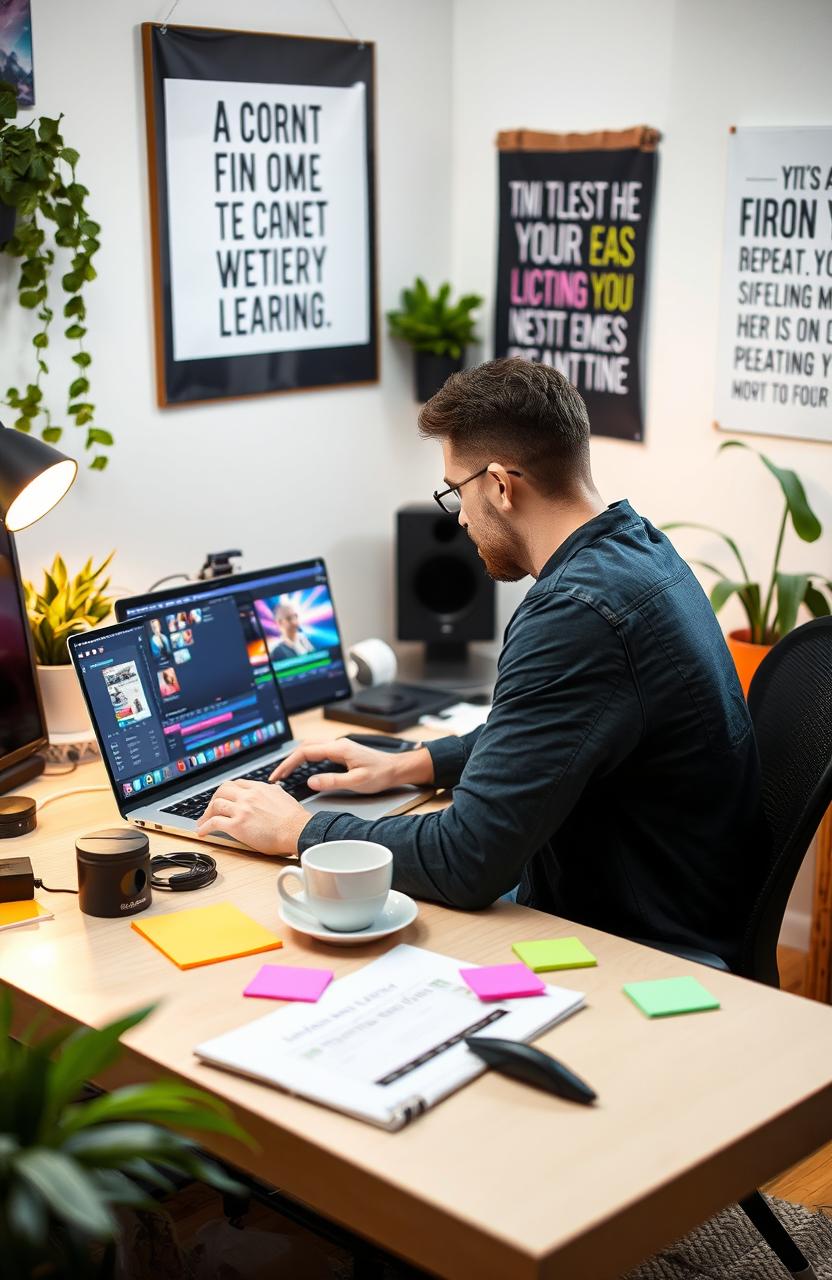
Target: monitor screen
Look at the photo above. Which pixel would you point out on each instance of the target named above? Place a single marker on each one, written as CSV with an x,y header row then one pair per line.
x,y
22,728
290,610
178,692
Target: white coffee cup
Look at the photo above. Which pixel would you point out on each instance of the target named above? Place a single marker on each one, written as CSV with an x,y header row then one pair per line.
x,y
345,884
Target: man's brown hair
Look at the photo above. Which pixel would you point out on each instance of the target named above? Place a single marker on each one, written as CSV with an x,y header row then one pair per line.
x,y
513,411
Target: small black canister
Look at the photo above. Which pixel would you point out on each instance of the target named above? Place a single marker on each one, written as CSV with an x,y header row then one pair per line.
x,y
113,872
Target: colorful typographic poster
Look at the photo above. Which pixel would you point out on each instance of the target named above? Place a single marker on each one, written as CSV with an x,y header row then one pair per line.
x,y
262,182
574,221
16,49
774,363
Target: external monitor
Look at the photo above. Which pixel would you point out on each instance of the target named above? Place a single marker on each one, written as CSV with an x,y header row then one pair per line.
x,y
22,723
290,615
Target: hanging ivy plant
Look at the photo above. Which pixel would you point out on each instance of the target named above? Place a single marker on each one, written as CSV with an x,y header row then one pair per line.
x,y
38,182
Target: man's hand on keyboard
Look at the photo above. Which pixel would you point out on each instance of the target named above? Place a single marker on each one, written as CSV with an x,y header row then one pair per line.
x,y
368,771
264,817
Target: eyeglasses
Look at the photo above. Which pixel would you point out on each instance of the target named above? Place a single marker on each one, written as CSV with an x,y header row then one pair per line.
x,y
449,499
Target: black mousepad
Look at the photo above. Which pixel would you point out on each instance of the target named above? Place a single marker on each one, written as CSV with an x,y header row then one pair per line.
x,y
391,706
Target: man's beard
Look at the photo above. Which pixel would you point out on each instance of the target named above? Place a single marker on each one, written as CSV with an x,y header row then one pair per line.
x,y
496,548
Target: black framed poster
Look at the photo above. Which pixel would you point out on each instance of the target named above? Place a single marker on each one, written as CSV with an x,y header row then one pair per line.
x,y
262,188
575,211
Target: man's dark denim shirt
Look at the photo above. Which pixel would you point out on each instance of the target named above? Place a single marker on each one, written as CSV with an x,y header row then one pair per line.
x,y
617,776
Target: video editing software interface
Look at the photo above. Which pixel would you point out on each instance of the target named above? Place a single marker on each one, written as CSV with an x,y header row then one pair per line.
x,y
290,616
179,691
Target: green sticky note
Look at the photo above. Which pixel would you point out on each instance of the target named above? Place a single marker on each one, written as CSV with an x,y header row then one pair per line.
x,y
666,996
543,955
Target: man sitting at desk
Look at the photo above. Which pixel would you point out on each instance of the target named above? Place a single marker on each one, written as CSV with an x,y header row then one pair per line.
x,y
616,778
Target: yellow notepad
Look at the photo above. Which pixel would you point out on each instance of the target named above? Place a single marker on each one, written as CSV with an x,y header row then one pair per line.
x,y
205,935
28,912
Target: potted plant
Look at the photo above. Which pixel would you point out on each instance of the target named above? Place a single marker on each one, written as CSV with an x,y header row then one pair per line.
x,y
63,607
771,612
43,206
66,1165
438,330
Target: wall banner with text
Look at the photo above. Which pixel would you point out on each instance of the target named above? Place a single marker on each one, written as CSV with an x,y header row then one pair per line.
x,y
774,363
262,189
575,214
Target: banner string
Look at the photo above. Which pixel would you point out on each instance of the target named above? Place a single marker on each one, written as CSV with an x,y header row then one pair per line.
x,y
171,12
333,5
342,20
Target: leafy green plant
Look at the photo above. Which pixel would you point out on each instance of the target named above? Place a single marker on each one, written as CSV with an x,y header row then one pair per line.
x,y
37,180
64,606
431,324
773,613
65,1164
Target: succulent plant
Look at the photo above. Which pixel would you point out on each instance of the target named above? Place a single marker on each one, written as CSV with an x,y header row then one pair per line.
x,y
431,324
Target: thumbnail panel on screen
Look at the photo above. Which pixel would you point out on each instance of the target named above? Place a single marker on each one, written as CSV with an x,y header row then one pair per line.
x,y
129,701
300,631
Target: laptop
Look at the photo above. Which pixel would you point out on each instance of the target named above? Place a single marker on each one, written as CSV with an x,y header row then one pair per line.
x,y
292,606
186,699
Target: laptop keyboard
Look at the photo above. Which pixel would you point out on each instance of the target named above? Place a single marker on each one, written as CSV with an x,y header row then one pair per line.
x,y
296,784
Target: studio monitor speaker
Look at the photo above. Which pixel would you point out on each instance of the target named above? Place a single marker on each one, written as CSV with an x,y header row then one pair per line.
x,y
444,596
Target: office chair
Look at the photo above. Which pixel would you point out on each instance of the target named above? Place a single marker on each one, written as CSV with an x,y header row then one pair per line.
x,y
790,700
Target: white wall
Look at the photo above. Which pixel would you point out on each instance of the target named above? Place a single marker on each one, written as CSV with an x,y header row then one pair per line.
x,y
285,476
691,68
292,475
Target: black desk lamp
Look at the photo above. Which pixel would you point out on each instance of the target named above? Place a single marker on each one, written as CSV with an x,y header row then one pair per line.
x,y
33,477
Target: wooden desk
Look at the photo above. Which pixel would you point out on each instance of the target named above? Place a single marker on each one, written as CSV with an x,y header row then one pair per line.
x,y
499,1181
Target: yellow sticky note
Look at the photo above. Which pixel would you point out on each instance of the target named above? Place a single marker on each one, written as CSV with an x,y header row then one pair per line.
x,y
12,913
205,935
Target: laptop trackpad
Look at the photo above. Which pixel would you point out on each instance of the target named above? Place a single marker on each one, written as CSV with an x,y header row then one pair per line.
x,y
369,807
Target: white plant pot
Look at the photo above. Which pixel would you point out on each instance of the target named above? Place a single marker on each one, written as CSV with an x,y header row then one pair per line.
x,y
63,701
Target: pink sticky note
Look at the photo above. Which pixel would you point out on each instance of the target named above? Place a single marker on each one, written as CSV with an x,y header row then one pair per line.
x,y
284,982
503,981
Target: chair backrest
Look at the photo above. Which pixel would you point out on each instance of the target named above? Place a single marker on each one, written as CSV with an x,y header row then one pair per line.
x,y
790,700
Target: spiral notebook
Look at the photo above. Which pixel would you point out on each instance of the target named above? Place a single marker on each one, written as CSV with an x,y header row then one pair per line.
x,y
387,1042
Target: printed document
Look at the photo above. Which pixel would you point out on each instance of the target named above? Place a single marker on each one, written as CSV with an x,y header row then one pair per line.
x,y
386,1042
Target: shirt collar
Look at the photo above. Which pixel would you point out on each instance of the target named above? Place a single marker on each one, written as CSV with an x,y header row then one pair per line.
x,y
616,517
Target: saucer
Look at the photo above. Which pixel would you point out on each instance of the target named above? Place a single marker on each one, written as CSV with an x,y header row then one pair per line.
x,y
399,911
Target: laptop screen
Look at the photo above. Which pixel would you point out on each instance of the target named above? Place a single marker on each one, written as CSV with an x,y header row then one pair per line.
x,y
178,692
292,608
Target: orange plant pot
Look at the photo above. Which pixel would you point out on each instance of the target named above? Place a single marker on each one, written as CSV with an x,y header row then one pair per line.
x,y
747,656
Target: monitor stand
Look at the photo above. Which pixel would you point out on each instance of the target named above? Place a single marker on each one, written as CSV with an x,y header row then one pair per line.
x,y
459,668
23,771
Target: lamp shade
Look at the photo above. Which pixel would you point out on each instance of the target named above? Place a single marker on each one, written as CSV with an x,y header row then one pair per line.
x,y
34,476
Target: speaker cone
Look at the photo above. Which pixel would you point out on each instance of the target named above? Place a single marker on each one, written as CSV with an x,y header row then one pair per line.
x,y
445,586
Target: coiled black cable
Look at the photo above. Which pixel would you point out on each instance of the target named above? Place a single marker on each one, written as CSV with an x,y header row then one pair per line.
x,y
201,870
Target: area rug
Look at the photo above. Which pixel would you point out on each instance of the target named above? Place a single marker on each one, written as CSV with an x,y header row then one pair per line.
x,y
728,1247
